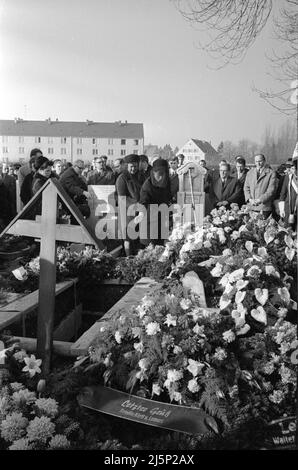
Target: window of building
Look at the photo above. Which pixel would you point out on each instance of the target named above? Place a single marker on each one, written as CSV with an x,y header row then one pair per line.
x,y
79,152
123,152
136,142
4,149
94,152
21,150
63,140
110,152
123,141
50,151
21,139
79,140
110,141
63,151
50,140
37,140
94,141
4,139
135,152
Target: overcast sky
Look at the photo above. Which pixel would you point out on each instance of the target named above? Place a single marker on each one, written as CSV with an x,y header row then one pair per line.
x,y
133,60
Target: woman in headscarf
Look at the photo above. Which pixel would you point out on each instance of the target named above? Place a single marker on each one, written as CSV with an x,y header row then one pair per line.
x,y
289,197
128,193
155,191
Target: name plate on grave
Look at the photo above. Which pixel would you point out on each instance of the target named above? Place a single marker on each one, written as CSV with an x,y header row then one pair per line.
x,y
281,433
141,410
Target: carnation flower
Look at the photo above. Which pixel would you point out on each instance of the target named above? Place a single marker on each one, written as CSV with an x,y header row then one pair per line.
x,y
47,406
20,355
16,386
21,444
276,397
176,396
143,363
193,386
198,330
117,337
229,336
185,304
13,427
174,375
23,397
139,347
207,244
268,368
170,320
32,365
156,389
195,367
220,354
59,442
152,328
235,235
217,271
40,429
177,350
227,252
254,271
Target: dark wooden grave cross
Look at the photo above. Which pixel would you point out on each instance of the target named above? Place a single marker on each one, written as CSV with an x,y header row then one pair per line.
x,y
47,229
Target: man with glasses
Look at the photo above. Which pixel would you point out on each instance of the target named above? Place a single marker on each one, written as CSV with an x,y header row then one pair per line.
x,y
102,175
260,187
75,186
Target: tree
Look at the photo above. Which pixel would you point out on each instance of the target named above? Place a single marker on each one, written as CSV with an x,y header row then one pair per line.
x,y
220,148
233,25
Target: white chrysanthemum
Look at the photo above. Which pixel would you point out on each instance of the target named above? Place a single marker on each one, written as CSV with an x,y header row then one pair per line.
x,y
177,350
276,397
185,304
195,367
229,336
220,354
174,375
193,386
227,252
118,337
47,406
139,347
170,320
156,389
143,363
176,396
207,244
152,328
235,235
59,442
217,270
198,330
13,427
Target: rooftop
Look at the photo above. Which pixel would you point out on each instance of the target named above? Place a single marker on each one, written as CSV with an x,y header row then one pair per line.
x,y
56,128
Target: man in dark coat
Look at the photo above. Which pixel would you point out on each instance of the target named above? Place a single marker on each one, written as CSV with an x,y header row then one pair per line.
x,y
224,189
174,179
144,168
27,168
76,187
5,214
102,175
26,187
156,191
10,184
128,190
289,197
240,173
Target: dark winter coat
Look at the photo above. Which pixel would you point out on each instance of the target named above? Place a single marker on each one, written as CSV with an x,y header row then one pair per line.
x,y
26,188
231,192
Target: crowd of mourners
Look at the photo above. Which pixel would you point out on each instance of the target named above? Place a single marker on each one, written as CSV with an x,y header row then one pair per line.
x,y
265,190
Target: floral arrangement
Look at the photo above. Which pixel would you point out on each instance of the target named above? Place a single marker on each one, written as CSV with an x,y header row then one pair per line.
x,y
169,347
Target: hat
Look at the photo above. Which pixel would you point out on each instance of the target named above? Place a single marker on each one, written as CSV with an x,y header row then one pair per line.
x,y
131,158
159,164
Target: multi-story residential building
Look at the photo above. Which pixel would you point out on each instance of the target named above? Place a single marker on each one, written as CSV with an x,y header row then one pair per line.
x,y
196,150
69,140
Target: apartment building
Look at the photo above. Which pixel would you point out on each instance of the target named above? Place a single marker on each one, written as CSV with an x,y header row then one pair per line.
x,y
69,140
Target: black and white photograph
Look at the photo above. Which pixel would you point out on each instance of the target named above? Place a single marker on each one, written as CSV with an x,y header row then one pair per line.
x,y
148,228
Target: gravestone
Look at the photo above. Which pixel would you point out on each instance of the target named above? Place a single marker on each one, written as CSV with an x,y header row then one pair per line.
x,y
191,193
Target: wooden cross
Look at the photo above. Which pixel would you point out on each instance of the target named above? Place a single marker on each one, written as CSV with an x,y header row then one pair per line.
x,y
49,231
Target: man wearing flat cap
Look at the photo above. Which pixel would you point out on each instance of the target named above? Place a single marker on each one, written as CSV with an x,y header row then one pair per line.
x,y
128,189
